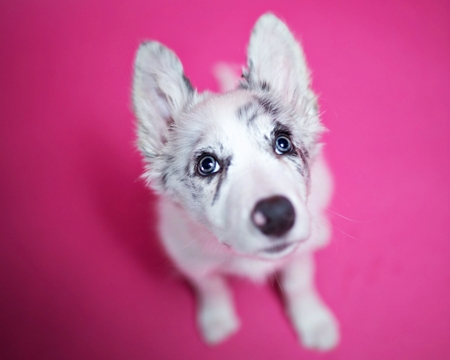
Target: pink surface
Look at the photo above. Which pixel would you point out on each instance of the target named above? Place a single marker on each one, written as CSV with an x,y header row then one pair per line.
x,y
81,274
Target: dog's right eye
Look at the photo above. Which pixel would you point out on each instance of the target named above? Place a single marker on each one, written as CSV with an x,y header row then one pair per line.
x,y
207,165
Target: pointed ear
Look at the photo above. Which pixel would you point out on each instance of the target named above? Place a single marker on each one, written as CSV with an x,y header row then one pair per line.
x,y
160,93
276,61
276,64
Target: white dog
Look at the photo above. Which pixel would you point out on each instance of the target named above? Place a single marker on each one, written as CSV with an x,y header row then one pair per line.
x,y
242,182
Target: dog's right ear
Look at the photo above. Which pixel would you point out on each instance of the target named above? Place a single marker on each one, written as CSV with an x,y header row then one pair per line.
x,y
161,92
275,60
276,64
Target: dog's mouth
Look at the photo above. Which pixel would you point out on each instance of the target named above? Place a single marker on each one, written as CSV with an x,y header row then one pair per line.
x,y
279,250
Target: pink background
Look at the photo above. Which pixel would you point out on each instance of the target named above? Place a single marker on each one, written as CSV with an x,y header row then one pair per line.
x,y
81,274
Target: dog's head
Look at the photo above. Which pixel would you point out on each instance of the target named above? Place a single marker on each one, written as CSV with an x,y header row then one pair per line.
x,y
237,162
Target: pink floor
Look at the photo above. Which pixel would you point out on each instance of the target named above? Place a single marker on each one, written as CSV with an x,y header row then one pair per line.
x,y
81,274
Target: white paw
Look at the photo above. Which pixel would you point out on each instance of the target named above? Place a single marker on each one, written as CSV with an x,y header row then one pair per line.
x,y
320,332
318,329
217,323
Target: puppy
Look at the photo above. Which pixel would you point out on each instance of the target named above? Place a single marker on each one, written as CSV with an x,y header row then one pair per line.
x,y
242,182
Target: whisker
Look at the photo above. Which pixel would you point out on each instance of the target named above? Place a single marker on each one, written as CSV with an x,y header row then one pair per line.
x,y
342,216
343,232
330,106
189,244
278,282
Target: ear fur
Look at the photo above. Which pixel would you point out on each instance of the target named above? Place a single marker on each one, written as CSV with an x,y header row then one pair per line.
x,y
276,64
275,60
160,93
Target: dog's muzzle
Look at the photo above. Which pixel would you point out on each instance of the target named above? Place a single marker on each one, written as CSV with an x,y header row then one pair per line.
x,y
274,216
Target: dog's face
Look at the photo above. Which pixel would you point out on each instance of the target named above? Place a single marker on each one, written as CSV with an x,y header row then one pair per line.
x,y
237,162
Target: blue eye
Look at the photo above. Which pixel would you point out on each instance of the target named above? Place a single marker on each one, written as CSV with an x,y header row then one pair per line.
x,y
207,165
283,145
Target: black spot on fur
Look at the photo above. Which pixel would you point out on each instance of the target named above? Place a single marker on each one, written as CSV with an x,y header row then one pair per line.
x,y
249,83
243,110
304,155
264,86
269,106
247,112
222,175
188,170
252,117
244,85
164,180
188,84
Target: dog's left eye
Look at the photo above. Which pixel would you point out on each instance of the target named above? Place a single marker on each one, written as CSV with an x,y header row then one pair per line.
x,y
208,165
283,145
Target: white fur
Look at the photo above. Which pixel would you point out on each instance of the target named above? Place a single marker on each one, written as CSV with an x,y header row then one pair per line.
x,y
205,222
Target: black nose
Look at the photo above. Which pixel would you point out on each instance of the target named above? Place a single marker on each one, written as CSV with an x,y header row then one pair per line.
x,y
274,216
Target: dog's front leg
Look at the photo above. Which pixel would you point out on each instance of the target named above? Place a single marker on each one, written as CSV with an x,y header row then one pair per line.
x,y
312,320
215,315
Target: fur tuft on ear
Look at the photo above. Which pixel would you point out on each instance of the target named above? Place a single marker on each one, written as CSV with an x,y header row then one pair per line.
x,y
161,91
276,64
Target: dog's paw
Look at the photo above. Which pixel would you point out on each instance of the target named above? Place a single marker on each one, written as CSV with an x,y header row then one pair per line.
x,y
217,323
318,329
